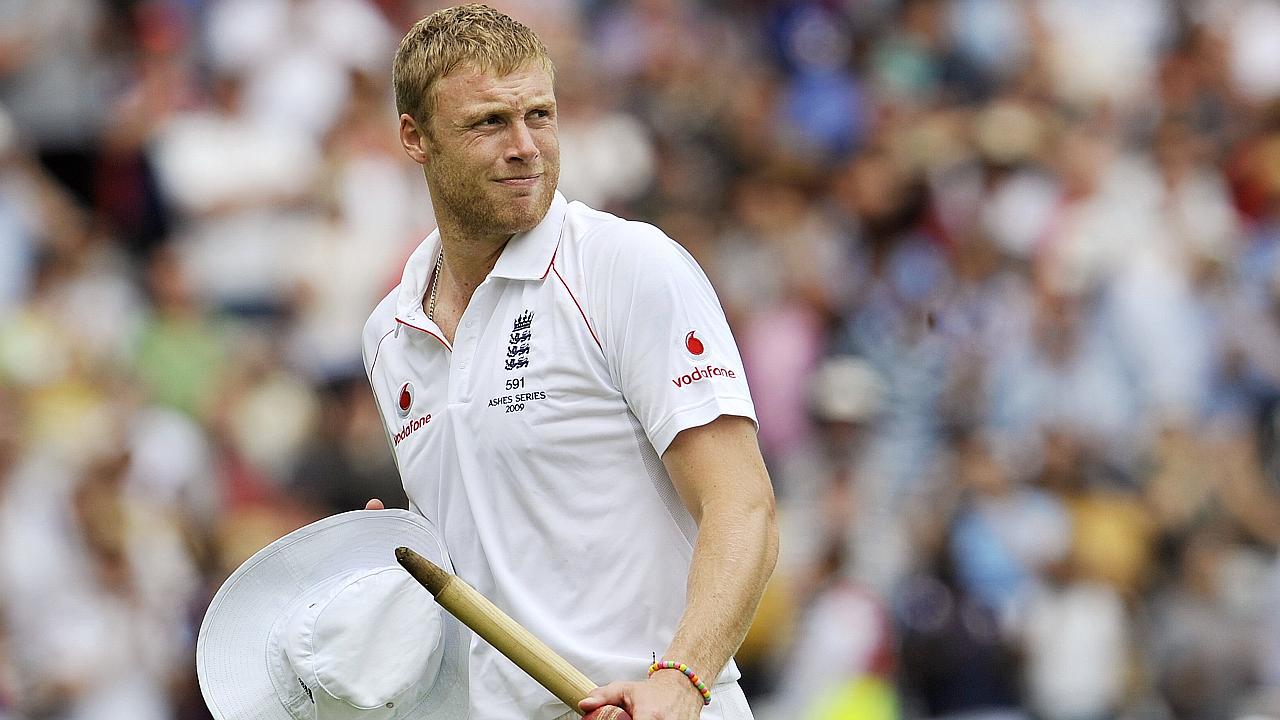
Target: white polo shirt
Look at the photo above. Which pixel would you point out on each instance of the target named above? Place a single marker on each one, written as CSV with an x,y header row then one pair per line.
x,y
534,441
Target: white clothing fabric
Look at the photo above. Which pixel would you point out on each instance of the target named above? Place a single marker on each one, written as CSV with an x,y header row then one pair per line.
x,y
534,440
323,624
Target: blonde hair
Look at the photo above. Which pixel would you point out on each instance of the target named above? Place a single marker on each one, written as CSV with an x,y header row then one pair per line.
x,y
468,34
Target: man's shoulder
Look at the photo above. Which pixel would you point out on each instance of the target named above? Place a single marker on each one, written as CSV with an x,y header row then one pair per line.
x,y
596,232
381,322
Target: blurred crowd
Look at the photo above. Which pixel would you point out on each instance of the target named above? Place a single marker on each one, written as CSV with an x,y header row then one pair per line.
x,y
1005,275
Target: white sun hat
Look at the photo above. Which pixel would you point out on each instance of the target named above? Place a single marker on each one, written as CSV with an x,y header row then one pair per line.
x,y
323,624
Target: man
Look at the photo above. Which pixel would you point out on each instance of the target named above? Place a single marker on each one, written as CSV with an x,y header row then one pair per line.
x,y
564,399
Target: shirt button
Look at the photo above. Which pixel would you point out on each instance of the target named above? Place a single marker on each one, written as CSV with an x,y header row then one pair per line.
x,y
471,323
462,365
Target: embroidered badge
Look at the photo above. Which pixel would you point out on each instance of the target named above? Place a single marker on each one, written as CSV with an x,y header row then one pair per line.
x,y
518,347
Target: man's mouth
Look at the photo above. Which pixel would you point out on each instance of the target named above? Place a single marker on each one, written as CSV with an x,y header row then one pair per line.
x,y
520,180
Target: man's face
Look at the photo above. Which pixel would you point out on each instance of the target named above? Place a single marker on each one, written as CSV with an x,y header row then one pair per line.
x,y
493,156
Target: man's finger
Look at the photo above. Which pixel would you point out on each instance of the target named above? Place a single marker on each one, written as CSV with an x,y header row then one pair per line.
x,y
612,694
375,504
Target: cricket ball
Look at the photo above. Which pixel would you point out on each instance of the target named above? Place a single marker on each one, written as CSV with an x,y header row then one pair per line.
x,y
608,712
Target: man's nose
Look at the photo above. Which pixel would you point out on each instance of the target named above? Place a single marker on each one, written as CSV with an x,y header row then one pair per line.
x,y
522,147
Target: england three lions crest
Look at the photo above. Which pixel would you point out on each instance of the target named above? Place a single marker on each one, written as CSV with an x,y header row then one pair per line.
x,y
518,347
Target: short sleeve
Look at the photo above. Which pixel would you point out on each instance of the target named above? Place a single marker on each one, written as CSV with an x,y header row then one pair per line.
x,y
663,332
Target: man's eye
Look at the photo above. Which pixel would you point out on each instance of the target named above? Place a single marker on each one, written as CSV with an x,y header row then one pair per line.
x,y
541,113
491,120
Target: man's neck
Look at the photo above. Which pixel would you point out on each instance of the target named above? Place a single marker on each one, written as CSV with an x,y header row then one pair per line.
x,y
469,255
468,259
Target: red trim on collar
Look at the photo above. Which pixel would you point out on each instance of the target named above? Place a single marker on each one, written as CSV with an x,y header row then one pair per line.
x,y
553,258
415,327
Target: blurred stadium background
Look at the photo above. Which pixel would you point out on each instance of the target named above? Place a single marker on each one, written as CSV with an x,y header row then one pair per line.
x,y
1005,275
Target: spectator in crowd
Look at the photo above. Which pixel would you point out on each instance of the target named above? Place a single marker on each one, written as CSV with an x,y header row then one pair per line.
x,y
1026,254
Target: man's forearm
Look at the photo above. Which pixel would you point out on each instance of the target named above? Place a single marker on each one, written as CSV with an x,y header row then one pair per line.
x,y
733,558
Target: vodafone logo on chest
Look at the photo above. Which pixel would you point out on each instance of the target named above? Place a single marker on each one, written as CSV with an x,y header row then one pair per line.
x,y
404,400
404,404
697,349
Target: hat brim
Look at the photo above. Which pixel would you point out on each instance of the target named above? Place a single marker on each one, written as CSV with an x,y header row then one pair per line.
x,y
232,649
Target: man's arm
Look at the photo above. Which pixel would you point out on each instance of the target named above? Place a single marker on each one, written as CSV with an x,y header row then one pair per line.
x,y
721,478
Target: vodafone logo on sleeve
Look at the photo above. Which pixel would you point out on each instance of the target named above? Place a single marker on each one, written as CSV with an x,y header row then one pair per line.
x,y
693,344
697,349
702,373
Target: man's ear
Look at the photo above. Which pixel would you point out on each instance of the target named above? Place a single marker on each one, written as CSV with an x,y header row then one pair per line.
x,y
413,138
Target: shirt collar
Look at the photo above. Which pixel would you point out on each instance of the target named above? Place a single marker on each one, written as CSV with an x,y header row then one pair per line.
x,y
527,256
413,285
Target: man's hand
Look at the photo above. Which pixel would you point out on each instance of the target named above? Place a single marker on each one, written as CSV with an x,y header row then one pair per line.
x,y
667,695
375,504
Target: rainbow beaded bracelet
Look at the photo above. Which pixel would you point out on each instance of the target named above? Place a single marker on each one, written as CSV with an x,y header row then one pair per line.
x,y
693,677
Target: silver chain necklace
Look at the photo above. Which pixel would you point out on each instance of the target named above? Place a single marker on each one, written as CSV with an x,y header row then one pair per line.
x,y
435,280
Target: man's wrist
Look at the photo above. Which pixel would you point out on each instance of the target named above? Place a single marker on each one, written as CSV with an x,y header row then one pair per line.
x,y
675,677
683,674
